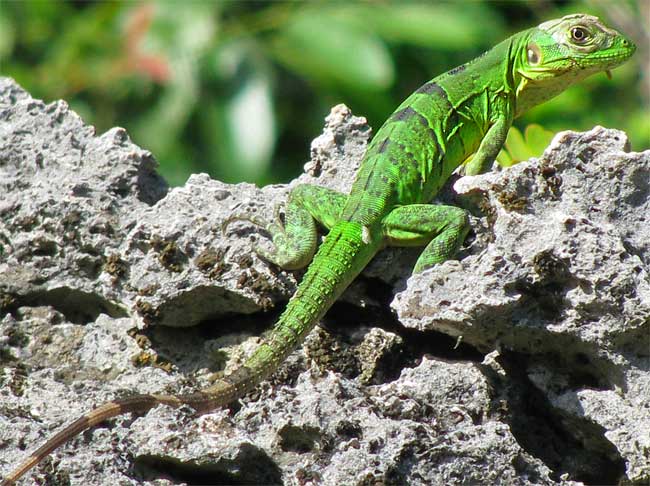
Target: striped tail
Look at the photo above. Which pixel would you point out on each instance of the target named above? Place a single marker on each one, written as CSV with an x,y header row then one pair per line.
x,y
344,253
136,403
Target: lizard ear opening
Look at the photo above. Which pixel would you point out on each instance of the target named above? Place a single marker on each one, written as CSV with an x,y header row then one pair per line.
x,y
533,54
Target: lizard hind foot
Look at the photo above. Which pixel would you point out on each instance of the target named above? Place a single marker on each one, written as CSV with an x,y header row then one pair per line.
x,y
286,252
251,218
271,227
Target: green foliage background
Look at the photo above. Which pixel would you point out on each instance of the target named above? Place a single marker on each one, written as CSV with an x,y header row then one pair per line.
x,y
239,89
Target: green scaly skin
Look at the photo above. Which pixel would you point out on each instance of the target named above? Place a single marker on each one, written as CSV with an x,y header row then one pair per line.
x,y
465,111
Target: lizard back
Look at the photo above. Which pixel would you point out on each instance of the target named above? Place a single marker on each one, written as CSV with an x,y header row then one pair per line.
x,y
430,134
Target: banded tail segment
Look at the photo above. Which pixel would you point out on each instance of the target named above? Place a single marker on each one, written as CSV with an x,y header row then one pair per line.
x,y
339,260
346,251
136,403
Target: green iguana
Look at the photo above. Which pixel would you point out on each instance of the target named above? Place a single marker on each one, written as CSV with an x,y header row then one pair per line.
x,y
466,111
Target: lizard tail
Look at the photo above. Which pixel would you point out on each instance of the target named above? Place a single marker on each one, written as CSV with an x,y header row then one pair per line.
x,y
136,403
223,392
341,257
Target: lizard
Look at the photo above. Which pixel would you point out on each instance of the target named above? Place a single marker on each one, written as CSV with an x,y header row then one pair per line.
x,y
458,121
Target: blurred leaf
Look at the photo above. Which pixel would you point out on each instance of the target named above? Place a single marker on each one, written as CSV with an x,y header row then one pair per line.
x,y
238,126
445,26
520,147
516,146
640,129
7,35
193,84
178,38
537,138
250,117
324,49
503,159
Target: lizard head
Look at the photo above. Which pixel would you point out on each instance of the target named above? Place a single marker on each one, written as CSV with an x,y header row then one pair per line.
x,y
561,52
575,42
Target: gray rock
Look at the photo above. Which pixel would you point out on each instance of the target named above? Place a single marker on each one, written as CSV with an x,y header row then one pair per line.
x,y
112,283
558,278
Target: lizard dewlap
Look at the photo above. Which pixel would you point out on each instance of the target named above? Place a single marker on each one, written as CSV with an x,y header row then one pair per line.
x,y
466,111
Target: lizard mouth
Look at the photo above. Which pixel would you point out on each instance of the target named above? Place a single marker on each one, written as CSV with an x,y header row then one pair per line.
x,y
600,63
611,61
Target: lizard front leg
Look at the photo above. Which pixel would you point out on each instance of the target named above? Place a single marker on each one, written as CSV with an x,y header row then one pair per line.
x,y
441,228
295,240
489,148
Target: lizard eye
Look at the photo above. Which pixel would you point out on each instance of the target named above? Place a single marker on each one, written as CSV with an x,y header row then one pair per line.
x,y
580,35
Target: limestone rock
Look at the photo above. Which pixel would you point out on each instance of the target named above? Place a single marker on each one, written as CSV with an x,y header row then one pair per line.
x,y
524,362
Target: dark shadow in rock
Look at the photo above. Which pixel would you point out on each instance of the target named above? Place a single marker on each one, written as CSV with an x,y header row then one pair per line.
x,y
251,466
566,443
184,347
76,305
344,319
201,303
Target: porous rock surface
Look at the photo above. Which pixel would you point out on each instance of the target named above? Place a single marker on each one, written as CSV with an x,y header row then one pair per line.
x,y
525,362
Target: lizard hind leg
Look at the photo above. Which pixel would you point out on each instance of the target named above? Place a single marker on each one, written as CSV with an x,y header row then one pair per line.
x,y
441,228
295,240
